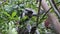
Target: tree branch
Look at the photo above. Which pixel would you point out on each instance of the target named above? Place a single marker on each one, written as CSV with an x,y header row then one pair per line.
x,y
53,4
51,17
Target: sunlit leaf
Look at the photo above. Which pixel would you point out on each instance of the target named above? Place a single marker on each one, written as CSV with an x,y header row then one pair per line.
x,y
14,14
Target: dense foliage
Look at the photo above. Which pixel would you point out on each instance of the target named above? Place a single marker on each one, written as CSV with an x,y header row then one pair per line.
x,y
10,14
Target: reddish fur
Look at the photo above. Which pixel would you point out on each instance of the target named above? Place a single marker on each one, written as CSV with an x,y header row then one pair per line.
x,y
47,23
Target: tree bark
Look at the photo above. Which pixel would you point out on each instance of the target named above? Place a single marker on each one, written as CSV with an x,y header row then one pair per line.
x,y
52,17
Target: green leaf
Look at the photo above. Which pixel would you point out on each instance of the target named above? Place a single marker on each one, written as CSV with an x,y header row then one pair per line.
x,y
14,14
6,14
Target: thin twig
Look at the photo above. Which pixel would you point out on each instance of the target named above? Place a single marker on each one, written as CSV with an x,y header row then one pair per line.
x,y
38,13
53,4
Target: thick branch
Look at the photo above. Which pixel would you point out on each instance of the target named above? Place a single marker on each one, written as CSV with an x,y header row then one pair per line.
x,y
52,17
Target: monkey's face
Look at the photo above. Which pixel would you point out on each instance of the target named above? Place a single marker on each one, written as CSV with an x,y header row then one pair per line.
x,y
29,13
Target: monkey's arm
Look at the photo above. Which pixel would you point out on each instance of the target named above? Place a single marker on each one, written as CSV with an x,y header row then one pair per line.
x,y
52,17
